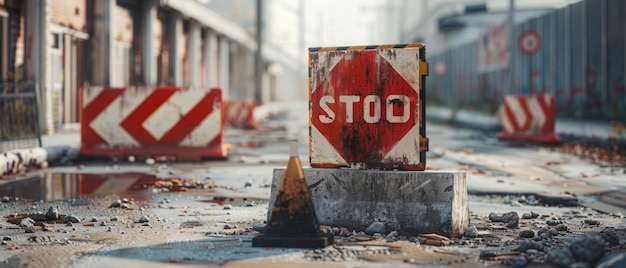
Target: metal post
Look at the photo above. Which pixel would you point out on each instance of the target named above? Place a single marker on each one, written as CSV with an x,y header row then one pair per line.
x,y
511,26
258,96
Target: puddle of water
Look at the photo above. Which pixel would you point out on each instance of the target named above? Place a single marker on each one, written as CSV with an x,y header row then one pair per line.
x,y
215,250
79,187
66,186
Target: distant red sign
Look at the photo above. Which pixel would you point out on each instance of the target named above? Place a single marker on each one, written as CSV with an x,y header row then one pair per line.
x,y
529,42
365,108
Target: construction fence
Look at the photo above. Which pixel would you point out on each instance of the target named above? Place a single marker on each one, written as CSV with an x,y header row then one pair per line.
x,y
577,53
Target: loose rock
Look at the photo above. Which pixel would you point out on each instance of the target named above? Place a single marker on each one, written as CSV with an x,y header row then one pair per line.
x,y
116,204
52,214
610,236
143,219
519,262
511,219
29,229
561,257
471,232
26,222
531,215
587,248
529,244
561,227
527,233
495,217
71,218
376,227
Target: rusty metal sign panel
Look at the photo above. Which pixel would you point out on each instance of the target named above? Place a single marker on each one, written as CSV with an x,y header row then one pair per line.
x,y
366,107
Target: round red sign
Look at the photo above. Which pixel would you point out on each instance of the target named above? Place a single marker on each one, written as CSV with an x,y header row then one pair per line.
x,y
529,42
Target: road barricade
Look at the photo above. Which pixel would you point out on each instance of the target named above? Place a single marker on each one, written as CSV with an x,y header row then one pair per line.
x,y
367,107
185,124
529,118
240,114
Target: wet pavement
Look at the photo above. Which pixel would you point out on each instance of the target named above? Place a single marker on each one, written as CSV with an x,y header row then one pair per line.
x,y
530,206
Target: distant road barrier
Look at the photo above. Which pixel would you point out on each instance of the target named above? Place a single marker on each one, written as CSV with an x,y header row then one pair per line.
x,y
529,118
240,114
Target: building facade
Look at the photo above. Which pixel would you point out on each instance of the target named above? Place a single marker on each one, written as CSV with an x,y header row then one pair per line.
x,y
63,45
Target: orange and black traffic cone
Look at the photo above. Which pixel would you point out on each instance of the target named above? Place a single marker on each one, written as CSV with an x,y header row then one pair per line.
x,y
293,223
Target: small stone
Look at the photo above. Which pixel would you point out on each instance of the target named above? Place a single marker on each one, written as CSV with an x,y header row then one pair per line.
x,y
52,214
592,222
531,215
587,248
4,243
7,238
124,200
495,217
116,204
29,229
545,233
471,232
124,206
376,227
113,219
553,222
71,218
527,233
560,257
94,219
227,206
529,244
259,227
143,219
511,219
6,199
561,227
103,224
610,236
392,234
69,224
247,184
227,227
519,262
26,222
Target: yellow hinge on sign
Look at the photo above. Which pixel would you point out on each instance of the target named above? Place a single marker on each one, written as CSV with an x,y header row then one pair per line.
x,y
424,68
423,144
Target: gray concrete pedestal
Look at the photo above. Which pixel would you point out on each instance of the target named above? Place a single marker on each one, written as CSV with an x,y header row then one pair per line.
x,y
410,202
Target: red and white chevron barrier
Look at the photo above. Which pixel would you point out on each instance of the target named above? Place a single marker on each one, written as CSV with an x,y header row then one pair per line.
x,y
240,114
140,121
529,118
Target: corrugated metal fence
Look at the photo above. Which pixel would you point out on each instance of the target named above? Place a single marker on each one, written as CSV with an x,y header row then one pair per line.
x,y
19,123
580,60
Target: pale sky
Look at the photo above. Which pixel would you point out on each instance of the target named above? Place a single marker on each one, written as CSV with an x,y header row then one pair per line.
x,y
342,22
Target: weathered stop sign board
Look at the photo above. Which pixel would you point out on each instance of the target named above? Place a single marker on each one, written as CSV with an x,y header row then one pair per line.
x,y
366,107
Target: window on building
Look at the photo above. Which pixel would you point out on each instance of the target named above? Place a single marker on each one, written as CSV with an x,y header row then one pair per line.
x,y
120,61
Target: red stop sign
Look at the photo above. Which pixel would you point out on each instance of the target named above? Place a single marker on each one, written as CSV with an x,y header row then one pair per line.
x,y
364,107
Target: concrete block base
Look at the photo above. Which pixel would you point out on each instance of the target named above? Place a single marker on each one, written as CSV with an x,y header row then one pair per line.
x,y
410,202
